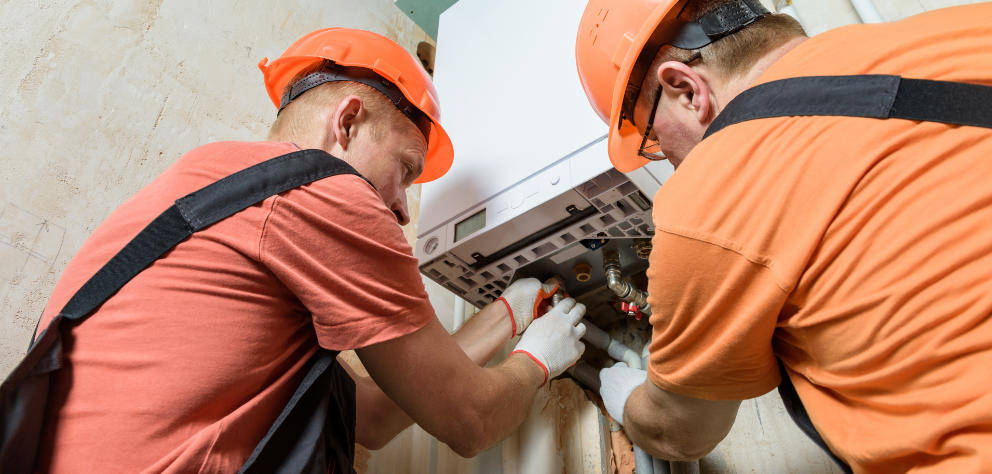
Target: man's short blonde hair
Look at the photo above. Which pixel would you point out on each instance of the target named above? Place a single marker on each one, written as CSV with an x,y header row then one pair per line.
x,y
731,55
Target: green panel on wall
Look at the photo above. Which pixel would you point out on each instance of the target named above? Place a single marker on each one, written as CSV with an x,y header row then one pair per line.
x,y
425,12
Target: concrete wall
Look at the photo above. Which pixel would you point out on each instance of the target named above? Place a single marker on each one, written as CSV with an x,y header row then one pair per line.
x,y
100,96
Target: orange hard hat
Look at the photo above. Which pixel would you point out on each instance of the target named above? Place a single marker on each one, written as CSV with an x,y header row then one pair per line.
x,y
616,43
613,38
363,49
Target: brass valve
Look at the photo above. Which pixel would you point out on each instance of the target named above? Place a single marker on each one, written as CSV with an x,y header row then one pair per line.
x,y
643,248
583,271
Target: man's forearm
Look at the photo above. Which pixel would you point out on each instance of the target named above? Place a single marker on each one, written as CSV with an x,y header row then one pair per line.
x,y
652,428
676,427
466,406
483,334
500,400
497,400
380,419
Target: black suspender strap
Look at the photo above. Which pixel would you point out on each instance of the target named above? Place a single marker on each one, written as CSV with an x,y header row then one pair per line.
x,y
317,425
197,211
165,232
870,96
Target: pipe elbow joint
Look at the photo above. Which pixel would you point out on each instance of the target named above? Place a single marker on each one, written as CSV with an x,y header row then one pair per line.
x,y
624,290
615,284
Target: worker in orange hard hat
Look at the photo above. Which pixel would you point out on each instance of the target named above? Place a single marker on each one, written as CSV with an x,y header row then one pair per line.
x,y
198,329
826,230
365,58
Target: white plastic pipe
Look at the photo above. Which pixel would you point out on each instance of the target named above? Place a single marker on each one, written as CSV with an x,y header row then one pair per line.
x,y
643,462
617,350
646,352
661,466
867,11
458,314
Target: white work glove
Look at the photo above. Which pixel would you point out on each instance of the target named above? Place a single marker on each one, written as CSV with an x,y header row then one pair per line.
x,y
616,385
523,298
553,340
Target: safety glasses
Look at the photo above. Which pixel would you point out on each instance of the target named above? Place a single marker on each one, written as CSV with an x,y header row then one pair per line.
x,y
650,148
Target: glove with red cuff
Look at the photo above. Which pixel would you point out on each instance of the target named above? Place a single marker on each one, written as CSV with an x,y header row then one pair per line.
x,y
616,385
553,341
524,299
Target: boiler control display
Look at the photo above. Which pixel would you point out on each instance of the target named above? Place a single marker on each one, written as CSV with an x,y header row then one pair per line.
x,y
470,225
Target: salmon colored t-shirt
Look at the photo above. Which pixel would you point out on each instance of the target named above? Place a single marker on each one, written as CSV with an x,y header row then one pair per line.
x,y
187,366
859,251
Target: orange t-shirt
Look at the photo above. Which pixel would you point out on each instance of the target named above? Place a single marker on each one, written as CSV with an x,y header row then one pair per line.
x,y
859,251
188,365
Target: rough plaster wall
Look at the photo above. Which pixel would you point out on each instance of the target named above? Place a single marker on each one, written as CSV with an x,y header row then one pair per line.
x,y
101,96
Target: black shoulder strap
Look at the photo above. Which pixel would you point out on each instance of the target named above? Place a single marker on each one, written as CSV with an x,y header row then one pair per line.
x,y
197,211
871,96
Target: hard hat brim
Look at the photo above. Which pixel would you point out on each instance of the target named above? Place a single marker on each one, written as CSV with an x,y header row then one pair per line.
x,y
440,154
624,138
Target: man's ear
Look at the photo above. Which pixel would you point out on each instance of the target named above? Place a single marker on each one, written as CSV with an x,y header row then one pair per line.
x,y
682,84
345,119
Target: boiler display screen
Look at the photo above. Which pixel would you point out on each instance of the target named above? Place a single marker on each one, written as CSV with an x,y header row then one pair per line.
x,y
470,225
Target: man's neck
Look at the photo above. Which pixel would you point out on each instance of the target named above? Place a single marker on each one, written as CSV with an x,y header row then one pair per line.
x,y
733,86
302,140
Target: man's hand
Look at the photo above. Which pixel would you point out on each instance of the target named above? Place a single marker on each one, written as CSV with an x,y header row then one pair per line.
x,y
523,298
553,340
616,385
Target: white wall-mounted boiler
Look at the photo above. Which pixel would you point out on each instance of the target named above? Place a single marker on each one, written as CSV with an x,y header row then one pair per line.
x,y
532,191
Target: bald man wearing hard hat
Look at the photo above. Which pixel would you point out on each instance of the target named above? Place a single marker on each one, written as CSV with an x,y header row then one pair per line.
x,y
198,328
827,231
